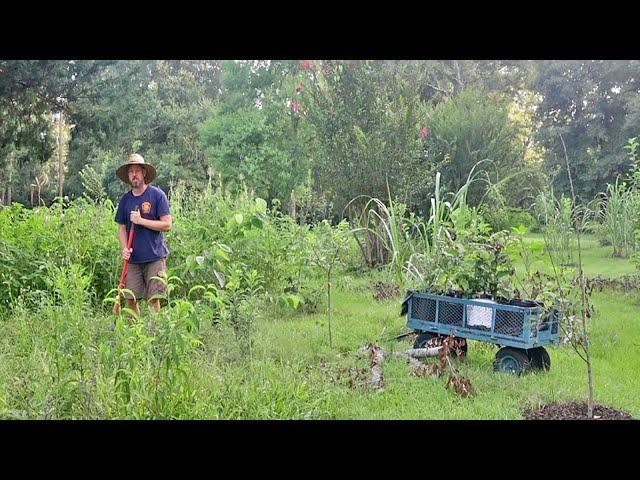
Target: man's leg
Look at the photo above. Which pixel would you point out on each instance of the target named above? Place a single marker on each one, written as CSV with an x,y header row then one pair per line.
x,y
133,305
155,304
134,282
155,287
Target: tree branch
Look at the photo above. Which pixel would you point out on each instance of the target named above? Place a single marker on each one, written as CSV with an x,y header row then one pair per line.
x,y
438,89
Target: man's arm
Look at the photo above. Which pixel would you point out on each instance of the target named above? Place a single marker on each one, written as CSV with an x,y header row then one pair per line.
x,y
162,225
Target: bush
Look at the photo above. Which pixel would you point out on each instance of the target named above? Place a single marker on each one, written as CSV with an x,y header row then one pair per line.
x,y
78,232
509,217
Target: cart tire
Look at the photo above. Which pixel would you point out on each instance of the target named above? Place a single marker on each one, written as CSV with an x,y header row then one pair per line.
x,y
512,360
540,359
424,337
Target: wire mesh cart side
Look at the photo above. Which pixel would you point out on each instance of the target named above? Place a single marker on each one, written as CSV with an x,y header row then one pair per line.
x,y
522,332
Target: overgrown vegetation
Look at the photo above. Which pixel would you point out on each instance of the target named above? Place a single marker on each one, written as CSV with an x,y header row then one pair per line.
x,y
301,191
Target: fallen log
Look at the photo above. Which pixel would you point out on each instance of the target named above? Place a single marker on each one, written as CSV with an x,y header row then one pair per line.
x,y
377,357
421,352
418,368
411,355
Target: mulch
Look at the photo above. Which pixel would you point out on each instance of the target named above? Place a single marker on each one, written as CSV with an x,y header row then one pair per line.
x,y
575,411
384,291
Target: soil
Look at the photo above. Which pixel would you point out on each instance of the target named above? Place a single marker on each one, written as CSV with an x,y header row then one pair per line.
x,y
383,291
575,411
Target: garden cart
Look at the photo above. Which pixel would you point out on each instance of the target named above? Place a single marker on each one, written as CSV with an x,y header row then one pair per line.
x,y
520,328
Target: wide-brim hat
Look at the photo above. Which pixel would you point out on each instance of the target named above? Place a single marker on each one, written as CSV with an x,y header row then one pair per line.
x,y
135,159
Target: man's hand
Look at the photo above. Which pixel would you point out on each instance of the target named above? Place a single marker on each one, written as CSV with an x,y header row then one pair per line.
x,y
135,217
126,253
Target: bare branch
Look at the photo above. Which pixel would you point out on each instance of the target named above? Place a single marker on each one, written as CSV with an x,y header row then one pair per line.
x,y
439,89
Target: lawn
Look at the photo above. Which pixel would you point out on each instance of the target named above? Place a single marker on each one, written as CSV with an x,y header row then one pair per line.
x,y
290,371
293,339
597,260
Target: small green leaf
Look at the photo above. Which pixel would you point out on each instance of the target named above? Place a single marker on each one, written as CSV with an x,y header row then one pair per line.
x,y
294,301
221,253
221,279
256,222
262,204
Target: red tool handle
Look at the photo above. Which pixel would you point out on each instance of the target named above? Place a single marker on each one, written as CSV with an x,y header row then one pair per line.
x,y
126,262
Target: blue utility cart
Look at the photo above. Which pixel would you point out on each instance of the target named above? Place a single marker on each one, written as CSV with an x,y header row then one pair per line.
x,y
520,328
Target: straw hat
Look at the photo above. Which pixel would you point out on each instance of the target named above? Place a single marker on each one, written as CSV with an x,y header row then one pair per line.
x,y
135,159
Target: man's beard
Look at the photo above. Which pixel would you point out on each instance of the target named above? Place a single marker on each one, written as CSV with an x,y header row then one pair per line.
x,y
135,183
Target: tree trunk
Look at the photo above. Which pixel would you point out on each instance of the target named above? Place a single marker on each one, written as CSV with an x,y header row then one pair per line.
x,y
292,209
365,256
60,163
329,304
458,83
10,168
421,352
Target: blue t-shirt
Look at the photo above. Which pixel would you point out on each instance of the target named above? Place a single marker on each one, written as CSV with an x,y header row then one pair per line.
x,y
148,245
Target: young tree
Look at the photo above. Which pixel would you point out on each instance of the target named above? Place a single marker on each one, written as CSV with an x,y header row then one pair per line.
x,y
328,245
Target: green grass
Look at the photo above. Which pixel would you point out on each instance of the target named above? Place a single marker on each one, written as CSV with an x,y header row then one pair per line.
x,y
597,260
291,373
360,320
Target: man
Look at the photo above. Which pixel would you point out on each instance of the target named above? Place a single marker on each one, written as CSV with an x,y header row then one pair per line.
x,y
146,207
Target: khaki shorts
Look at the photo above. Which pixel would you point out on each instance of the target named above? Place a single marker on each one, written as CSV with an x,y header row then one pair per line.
x,y
140,282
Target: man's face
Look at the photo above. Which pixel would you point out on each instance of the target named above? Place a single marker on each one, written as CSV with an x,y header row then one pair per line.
x,y
136,175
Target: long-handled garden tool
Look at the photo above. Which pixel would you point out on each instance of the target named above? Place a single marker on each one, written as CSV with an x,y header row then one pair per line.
x,y
125,266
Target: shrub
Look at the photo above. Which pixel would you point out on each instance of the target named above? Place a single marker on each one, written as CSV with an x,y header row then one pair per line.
x,y
509,217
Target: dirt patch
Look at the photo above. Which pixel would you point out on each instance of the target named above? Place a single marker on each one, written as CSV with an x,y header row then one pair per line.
x,y
574,411
384,291
351,376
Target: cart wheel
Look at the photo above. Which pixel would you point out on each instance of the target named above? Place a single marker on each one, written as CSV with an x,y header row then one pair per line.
x,y
512,360
424,337
540,359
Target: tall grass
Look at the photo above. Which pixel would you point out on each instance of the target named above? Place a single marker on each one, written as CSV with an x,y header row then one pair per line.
x,y
555,217
619,216
62,234
63,358
409,240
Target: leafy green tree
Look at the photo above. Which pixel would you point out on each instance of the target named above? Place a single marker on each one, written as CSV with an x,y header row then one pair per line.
x,y
30,90
255,137
368,125
470,128
152,107
595,105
